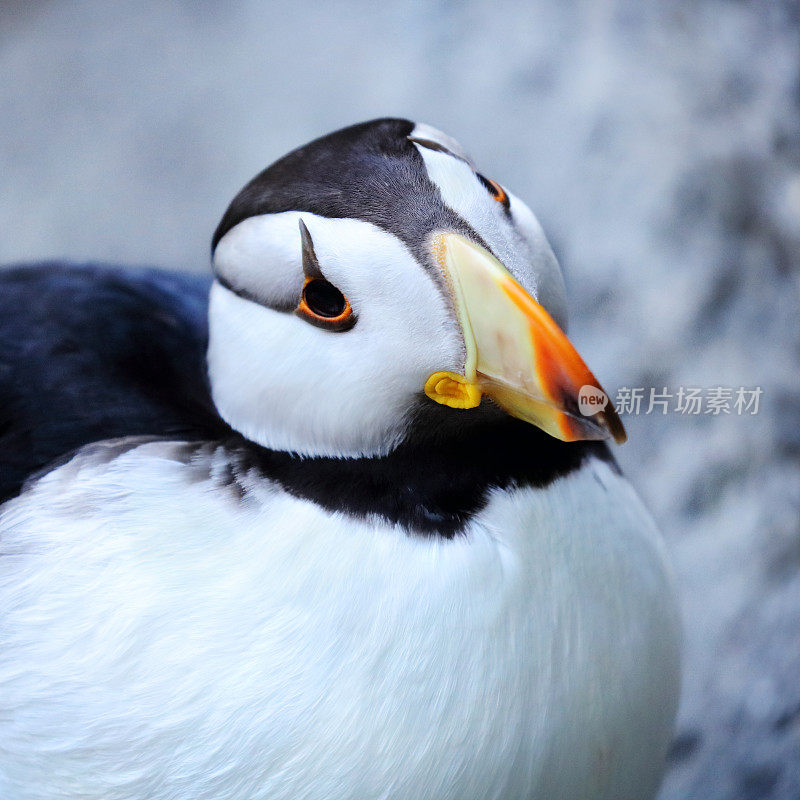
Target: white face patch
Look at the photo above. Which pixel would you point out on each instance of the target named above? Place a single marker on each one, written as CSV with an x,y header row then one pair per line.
x,y
289,385
516,239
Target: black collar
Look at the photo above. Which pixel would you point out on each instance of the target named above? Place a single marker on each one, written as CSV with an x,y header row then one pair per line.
x,y
435,481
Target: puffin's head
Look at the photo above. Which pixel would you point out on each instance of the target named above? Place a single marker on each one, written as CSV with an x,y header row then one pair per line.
x,y
374,275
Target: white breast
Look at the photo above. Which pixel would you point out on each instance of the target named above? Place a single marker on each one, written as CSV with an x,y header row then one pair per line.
x,y
164,637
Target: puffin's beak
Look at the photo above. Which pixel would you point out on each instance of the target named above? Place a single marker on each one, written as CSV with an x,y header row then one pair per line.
x,y
516,353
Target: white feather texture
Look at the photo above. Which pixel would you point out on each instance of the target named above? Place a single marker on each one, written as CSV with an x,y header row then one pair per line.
x,y
291,386
165,638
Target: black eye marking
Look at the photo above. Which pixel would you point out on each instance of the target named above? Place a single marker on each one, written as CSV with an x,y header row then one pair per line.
x,y
495,190
431,145
311,268
321,303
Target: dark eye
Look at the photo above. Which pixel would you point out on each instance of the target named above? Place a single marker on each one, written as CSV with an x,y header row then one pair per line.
x,y
323,298
322,304
495,190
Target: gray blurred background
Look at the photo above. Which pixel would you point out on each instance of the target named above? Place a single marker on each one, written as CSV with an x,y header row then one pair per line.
x,y
659,144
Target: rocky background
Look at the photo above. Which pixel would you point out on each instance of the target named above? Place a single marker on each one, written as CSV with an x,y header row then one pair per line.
x,y
659,143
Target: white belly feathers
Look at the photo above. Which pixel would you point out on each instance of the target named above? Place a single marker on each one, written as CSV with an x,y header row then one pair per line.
x,y
165,636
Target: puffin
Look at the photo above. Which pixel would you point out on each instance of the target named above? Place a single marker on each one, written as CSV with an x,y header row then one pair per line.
x,y
330,523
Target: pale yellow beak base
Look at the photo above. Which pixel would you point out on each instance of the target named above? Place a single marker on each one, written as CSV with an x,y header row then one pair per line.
x,y
515,352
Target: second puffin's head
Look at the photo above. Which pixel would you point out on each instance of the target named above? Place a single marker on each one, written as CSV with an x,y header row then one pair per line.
x,y
374,273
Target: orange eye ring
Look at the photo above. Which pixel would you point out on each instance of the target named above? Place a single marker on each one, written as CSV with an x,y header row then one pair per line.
x,y
323,305
496,191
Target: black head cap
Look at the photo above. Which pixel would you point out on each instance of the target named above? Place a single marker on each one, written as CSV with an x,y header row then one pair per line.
x,y
370,171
